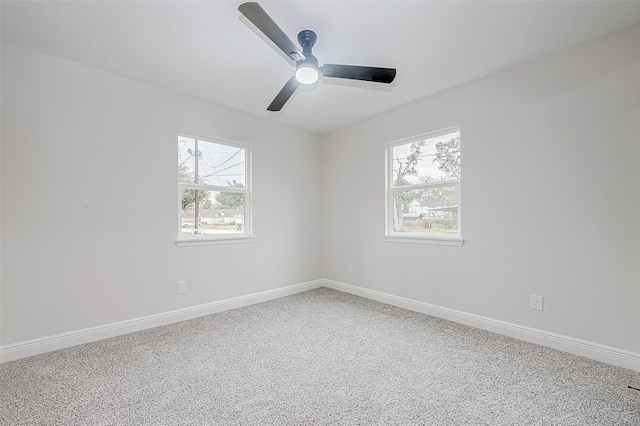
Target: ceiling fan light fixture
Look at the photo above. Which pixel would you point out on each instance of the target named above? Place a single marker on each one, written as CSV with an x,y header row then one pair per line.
x,y
307,74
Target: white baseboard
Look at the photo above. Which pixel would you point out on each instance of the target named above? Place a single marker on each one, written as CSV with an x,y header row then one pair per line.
x,y
596,351
603,353
64,340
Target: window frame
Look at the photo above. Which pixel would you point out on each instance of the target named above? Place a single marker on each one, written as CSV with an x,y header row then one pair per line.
x,y
391,190
208,239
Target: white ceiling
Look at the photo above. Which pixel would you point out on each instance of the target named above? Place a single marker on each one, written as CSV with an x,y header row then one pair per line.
x,y
205,49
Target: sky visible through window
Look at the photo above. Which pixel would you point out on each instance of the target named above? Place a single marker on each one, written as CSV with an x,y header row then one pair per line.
x,y
426,165
217,164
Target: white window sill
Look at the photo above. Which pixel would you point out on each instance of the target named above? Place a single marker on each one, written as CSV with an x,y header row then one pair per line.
x,y
432,240
188,242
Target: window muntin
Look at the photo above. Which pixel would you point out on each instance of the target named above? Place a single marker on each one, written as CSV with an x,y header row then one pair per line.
x,y
214,193
423,182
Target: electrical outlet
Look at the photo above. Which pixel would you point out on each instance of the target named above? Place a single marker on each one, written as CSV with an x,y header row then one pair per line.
x,y
350,268
536,302
182,287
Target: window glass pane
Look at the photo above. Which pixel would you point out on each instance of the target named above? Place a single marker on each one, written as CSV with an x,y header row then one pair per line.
x,y
429,211
403,208
428,160
221,164
212,212
186,159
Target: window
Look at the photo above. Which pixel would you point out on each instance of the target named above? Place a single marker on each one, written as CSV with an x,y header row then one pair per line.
x,y
423,188
214,190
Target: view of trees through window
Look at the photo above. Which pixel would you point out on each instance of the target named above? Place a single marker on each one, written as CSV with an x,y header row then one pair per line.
x,y
425,185
213,189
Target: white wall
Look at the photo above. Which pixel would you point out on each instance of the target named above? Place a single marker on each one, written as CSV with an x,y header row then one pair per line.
x,y
89,196
550,197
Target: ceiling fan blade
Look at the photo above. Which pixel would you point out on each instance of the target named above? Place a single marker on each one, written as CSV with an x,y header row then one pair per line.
x,y
258,17
355,72
283,96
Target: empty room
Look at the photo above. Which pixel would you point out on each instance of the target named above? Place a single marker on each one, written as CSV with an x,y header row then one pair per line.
x,y
320,212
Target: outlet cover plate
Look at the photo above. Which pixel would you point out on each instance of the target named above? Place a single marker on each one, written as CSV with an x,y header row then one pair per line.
x,y
536,302
182,287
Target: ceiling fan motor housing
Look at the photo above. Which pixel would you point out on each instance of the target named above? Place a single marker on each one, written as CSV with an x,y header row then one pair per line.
x,y
307,40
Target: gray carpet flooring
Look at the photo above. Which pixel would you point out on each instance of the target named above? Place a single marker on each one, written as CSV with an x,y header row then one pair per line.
x,y
320,357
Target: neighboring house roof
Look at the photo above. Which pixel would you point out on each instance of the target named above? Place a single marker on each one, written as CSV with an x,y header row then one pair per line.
x,y
428,201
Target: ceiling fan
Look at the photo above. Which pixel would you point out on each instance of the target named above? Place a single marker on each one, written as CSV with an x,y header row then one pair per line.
x,y
307,69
